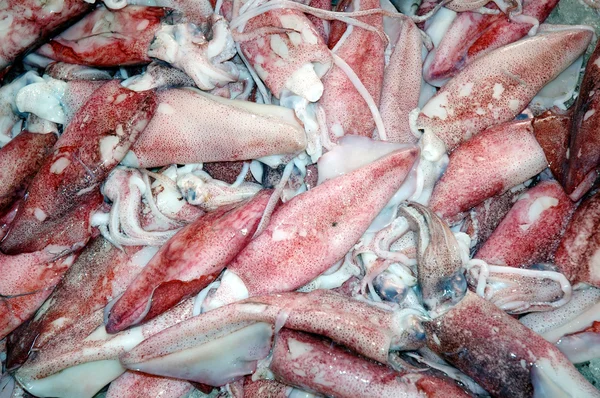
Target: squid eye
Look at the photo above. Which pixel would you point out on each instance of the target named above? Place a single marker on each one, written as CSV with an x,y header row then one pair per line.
x,y
454,287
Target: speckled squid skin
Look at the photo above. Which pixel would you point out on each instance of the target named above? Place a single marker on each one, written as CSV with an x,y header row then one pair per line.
x,y
100,273
188,262
577,256
72,347
314,364
317,228
402,84
27,279
140,385
584,148
498,86
438,254
552,133
20,159
277,57
366,329
179,133
107,38
483,219
264,388
30,22
345,109
472,35
531,230
495,349
487,165
93,143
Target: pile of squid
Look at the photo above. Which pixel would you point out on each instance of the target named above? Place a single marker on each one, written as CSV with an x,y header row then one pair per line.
x,y
294,198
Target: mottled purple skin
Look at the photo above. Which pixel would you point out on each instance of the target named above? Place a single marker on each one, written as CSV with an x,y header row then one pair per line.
x,y
552,133
584,148
317,365
493,348
483,219
317,228
520,241
192,259
576,256
20,159
93,143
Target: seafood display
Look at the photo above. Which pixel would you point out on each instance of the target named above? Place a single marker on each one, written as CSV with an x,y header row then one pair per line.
x,y
285,198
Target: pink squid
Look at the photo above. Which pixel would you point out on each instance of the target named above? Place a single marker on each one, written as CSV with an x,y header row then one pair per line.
x,y
502,355
294,61
402,84
584,148
107,38
79,362
27,23
100,274
361,52
473,34
326,221
93,143
317,365
192,350
178,133
482,220
188,262
477,172
140,385
531,230
27,280
498,86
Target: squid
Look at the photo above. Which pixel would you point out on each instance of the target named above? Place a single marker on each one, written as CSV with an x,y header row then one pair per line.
x,y
187,351
576,255
584,152
100,274
348,106
66,187
498,86
476,172
341,208
107,38
502,355
28,23
531,230
188,262
472,35
27,280
177,127
312,364
20,160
